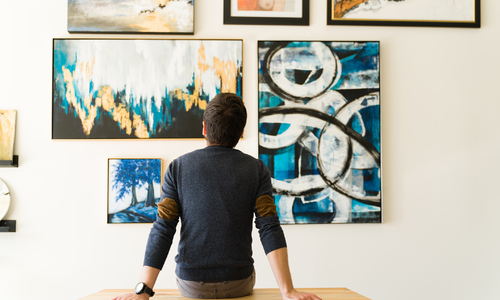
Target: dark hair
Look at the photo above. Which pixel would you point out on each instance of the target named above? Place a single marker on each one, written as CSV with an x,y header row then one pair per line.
x,y
225,118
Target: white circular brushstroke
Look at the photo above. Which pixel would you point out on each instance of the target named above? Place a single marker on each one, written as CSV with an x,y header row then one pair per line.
x,y
299,185
285,207
343,208
333,150
287,58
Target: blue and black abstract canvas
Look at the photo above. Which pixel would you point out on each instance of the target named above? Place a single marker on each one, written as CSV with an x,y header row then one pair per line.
x,y
131,89
319,129
134,187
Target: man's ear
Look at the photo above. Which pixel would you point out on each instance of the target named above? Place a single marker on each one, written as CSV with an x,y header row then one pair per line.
x,y
204,130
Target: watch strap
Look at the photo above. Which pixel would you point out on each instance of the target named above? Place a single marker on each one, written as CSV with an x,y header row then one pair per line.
x,y
148,290
144,289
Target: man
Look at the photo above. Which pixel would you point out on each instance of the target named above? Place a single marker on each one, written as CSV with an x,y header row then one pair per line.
x,y
215,192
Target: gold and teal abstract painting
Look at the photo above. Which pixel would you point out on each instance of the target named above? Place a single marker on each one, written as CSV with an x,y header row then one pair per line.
x,y
127,89
319,129
145,16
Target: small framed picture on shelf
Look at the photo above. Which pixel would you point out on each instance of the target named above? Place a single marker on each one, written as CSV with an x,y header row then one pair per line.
x,y
134,187
426,13
266,12
4,199
7,134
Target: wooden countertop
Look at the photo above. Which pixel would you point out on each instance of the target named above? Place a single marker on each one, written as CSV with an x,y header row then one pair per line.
x,y
260,294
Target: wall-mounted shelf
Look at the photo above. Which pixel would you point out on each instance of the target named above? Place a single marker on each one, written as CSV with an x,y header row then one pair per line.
x,y
8,226
10,163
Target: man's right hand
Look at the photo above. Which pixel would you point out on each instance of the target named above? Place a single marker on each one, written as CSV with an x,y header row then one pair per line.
x,y
279,264
132,296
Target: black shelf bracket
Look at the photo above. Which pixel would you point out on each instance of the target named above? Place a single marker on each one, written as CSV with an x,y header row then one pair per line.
x,y
8,226
10,163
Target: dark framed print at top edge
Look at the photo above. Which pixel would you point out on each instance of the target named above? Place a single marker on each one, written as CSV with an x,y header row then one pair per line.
x,y
134,187
424,13
132,17
139,88
320,129
256,12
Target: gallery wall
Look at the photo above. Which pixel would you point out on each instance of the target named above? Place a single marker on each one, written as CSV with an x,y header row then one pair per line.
x,y
440,142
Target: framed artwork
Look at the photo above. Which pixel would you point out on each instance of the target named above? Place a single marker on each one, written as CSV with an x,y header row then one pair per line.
x,y
266,12
7,134
134,187
139,89
430,13
145,16
4,199
319,129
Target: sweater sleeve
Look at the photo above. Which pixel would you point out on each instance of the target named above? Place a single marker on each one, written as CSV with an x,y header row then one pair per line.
x,y
159,242
164,228
266,216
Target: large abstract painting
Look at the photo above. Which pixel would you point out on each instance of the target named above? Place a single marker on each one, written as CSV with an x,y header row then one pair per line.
x,y
442,13
122,88
133,190
145,16
319,129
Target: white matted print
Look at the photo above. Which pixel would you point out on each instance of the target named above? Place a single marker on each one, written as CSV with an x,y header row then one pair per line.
x,y
266,12
442,13
266,8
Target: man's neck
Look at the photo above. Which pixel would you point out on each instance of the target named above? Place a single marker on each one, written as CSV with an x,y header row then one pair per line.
x,y
214,145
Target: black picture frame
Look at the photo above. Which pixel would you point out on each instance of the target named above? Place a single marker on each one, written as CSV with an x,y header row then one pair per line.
x,y
476,23
358,81
303,20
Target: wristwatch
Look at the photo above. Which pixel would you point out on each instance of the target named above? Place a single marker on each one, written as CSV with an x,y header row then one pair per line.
x,y
141,287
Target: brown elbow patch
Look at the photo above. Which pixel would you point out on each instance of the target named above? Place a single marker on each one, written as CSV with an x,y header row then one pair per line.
x,y
265,206
167,209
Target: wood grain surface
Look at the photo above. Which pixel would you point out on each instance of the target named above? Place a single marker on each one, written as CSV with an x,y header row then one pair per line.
x,y
261,294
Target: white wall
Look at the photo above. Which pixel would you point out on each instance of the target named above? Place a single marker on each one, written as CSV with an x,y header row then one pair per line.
x,y
440,103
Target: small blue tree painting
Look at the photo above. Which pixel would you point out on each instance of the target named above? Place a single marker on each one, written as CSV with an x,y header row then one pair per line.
x,y
134,187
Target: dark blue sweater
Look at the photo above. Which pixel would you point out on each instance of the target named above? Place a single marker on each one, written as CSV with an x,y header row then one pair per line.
x,y
216,192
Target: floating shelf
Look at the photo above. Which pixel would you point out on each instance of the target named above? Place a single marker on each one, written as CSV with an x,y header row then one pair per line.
x,y
10,163
8,226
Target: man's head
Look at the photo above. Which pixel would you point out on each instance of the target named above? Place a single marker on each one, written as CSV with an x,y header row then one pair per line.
x,y
224,120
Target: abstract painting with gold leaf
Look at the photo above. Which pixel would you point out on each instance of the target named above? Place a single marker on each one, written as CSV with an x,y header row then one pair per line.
x,y
145,16
124,88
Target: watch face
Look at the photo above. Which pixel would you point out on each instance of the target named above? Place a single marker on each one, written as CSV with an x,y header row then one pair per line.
x,y
139,287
